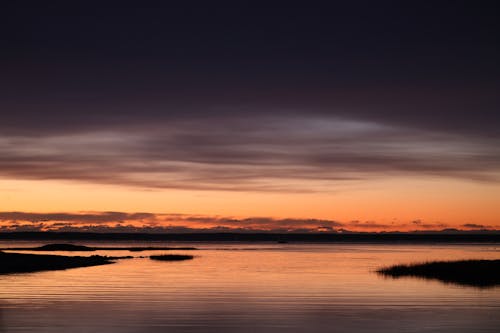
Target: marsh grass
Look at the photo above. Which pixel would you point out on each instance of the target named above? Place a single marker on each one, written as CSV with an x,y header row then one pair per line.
x,y
477,273
172,257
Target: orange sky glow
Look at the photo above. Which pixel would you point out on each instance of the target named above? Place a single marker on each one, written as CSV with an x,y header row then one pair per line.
x,y
298,123
392,204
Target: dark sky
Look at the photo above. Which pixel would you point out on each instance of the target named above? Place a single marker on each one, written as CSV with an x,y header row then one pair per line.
x,y
105,90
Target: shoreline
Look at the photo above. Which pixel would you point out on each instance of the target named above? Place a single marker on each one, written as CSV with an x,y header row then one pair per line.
x,y
12,263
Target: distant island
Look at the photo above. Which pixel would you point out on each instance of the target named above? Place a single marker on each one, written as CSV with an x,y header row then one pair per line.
x,y
25,263
59,247
477,273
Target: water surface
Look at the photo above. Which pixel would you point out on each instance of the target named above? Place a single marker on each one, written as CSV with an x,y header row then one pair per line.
x,y
262,287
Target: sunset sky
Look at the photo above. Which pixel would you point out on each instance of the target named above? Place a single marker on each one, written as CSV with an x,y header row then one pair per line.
x,y
150,116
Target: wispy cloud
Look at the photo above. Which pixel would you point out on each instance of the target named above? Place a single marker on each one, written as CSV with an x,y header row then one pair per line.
x,y
259,154
475,226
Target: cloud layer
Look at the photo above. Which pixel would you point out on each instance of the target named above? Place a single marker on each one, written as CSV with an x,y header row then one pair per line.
x,y
172,223
202,97
262,153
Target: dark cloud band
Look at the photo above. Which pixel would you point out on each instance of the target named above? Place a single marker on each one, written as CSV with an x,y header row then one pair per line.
x,y
171,223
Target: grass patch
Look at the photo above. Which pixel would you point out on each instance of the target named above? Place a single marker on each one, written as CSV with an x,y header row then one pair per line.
x,y
477,273
152,248
171,257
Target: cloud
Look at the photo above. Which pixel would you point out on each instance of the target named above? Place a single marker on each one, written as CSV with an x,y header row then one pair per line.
x,y
257,223
95,217
171,223
155,223
232,106
265,153
424,225
475,226
368,225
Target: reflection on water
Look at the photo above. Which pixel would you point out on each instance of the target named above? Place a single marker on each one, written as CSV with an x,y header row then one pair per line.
x,y
250,288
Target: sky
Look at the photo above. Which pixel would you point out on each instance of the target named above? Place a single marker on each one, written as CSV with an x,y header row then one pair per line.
x,y
247,115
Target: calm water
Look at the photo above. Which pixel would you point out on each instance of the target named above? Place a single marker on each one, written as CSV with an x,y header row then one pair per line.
x,y
251,288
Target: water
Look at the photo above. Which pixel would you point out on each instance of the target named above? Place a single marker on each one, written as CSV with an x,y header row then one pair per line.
x,y
251,288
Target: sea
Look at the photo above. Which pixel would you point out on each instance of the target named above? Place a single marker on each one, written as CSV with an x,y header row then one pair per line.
x,y
250,287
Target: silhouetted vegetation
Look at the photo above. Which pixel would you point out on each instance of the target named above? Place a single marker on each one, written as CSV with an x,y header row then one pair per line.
x,y
23,263
138,249
477,273
172,257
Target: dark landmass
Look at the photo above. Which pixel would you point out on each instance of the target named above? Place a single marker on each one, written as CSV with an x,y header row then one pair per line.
x,y
72,247
477,273
172,257
153,248
450,236
24,263
62,247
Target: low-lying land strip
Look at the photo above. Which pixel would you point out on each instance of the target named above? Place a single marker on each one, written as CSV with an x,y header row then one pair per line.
x,y
73,247
24,263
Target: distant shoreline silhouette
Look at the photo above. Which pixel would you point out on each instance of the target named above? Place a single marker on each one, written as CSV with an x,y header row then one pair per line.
x,y
75,248
393,237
